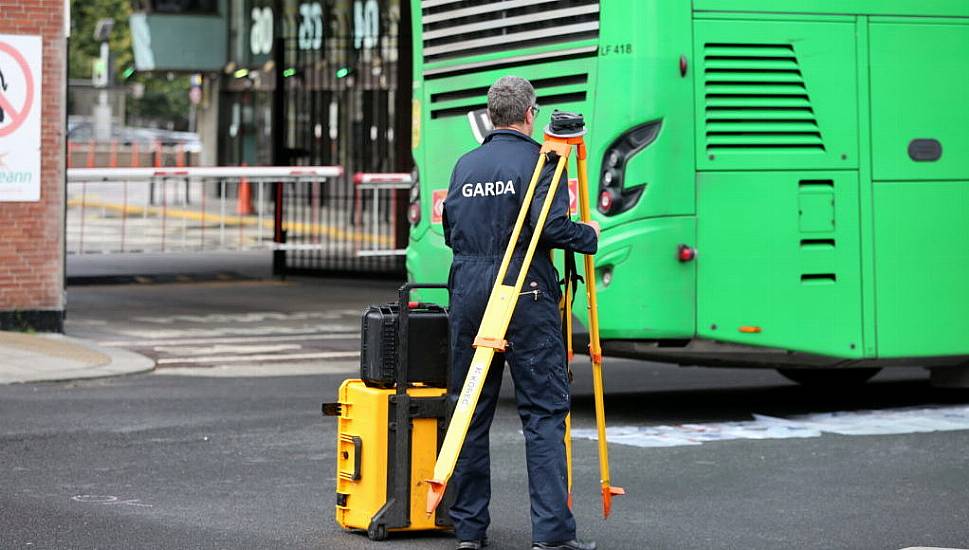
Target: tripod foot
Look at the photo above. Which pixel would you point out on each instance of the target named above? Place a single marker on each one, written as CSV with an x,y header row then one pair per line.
x,y
607,493
435,492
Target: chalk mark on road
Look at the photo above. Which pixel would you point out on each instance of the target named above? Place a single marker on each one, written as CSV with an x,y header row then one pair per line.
x,y
110,499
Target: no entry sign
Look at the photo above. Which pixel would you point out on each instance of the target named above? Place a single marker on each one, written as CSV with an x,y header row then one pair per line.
x,y
21,60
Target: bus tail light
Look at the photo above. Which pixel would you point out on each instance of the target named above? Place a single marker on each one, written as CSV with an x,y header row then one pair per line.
x,y
414,213
607,200
613,172
414,208
685,253
606,276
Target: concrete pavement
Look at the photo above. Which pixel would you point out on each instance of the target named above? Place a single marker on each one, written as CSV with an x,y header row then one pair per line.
x,y
54,357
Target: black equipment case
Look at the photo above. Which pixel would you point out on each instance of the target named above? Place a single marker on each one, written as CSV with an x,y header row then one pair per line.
x,y
427,344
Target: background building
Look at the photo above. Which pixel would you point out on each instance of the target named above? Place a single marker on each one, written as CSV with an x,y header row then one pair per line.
x,y
293,82
32,225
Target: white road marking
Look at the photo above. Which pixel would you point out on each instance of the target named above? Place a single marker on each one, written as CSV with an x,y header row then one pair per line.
x,y
234,371
877,422
89,322
231,340
236,349
237,331
259,358
249,317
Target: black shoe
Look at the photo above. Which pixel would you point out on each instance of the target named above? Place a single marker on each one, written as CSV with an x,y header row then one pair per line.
x,y
564,545
473,544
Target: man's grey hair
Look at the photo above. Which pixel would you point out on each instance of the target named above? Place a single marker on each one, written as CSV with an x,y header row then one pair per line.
x,y
508,99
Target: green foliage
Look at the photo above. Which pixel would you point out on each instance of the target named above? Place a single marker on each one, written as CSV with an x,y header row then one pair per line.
x,y
84,49
165,101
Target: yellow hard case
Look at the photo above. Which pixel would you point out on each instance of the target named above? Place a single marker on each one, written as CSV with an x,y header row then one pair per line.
x,y
365,457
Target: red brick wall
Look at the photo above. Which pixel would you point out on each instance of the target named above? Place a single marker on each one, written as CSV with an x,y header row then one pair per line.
x,y
32,233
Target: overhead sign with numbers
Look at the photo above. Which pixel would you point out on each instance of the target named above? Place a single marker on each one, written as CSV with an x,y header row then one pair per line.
x,y
261,31
310,26
21,58
366,24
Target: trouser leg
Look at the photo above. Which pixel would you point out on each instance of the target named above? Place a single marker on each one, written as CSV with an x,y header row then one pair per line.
x,y
538,367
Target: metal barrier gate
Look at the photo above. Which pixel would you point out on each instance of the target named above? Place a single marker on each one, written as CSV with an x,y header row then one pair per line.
x,y
384,191
304,213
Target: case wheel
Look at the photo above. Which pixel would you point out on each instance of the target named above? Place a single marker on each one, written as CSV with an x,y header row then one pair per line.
x,y
377,532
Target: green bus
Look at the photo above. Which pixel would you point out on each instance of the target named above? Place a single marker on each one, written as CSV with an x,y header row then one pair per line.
x,y
781,183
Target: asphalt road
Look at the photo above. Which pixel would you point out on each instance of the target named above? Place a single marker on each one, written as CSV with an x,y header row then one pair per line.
x,y
233,454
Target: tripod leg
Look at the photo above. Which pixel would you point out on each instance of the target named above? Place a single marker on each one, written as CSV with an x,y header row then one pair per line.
x,y
595,352
566,309
568,453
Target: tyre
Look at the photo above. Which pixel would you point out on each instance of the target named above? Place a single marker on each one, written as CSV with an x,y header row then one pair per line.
x,y
829,377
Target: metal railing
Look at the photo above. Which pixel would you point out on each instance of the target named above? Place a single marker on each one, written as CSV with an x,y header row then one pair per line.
x,y
315,217
378,186
125,210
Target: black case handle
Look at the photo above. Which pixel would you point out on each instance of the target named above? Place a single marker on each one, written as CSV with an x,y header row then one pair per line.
x,y
357,457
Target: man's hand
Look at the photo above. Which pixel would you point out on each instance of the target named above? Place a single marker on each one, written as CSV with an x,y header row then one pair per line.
x,y
594,225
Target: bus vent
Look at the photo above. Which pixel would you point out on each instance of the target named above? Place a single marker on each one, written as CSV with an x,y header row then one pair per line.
x,y
461,28
550,93
756,99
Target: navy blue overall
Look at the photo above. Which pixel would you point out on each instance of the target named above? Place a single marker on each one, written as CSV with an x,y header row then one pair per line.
x,y
484,197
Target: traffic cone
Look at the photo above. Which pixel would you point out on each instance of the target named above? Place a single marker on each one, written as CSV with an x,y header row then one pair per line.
x,y
158,154
244,204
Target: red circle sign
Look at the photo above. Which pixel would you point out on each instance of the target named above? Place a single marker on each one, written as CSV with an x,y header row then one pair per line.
x,y
17,116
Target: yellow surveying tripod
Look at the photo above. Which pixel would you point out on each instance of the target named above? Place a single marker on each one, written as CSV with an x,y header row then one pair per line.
x,y
564,133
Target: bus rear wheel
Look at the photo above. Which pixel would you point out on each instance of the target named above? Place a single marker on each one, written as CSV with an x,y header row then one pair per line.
x,y
829,377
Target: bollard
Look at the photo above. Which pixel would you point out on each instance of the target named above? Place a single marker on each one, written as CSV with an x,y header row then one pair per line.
x,y
158,154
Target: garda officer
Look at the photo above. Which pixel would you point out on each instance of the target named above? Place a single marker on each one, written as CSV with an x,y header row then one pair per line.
x,y
483,201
